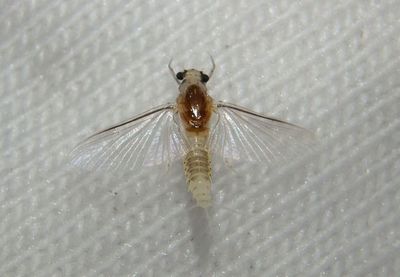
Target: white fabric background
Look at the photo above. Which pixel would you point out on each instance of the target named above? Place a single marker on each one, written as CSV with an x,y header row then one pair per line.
x,y
69,68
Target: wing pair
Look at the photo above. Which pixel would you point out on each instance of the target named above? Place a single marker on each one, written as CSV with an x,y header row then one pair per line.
x,y
155,138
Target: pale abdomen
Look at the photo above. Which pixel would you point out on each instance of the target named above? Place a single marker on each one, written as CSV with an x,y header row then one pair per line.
x,y
197,166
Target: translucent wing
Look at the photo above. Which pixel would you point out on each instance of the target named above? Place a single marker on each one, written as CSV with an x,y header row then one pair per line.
x,y
151,138
240,134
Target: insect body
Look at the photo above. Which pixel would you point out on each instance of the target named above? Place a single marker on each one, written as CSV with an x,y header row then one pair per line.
x,y
195,110
194,129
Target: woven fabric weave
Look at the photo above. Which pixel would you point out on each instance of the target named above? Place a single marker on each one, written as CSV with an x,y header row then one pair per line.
x,y
70,68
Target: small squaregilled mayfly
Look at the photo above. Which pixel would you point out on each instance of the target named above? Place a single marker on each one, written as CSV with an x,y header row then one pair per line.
x,y
193,129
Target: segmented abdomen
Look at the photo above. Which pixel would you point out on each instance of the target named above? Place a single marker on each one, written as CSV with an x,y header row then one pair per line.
x,y
198,175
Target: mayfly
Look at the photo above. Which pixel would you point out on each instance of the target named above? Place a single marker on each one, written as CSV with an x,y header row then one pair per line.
x,y
193,129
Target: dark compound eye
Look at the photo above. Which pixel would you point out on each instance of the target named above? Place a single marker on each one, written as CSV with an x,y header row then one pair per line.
x,y
180,75
204,78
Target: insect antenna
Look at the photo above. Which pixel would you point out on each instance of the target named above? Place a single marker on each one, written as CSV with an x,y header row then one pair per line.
x,y
212,68
172,71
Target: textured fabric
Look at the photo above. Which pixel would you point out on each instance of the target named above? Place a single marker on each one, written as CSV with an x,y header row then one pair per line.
x,y
69,68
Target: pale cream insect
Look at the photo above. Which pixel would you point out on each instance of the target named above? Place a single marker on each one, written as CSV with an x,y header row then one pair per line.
x,y
194,129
